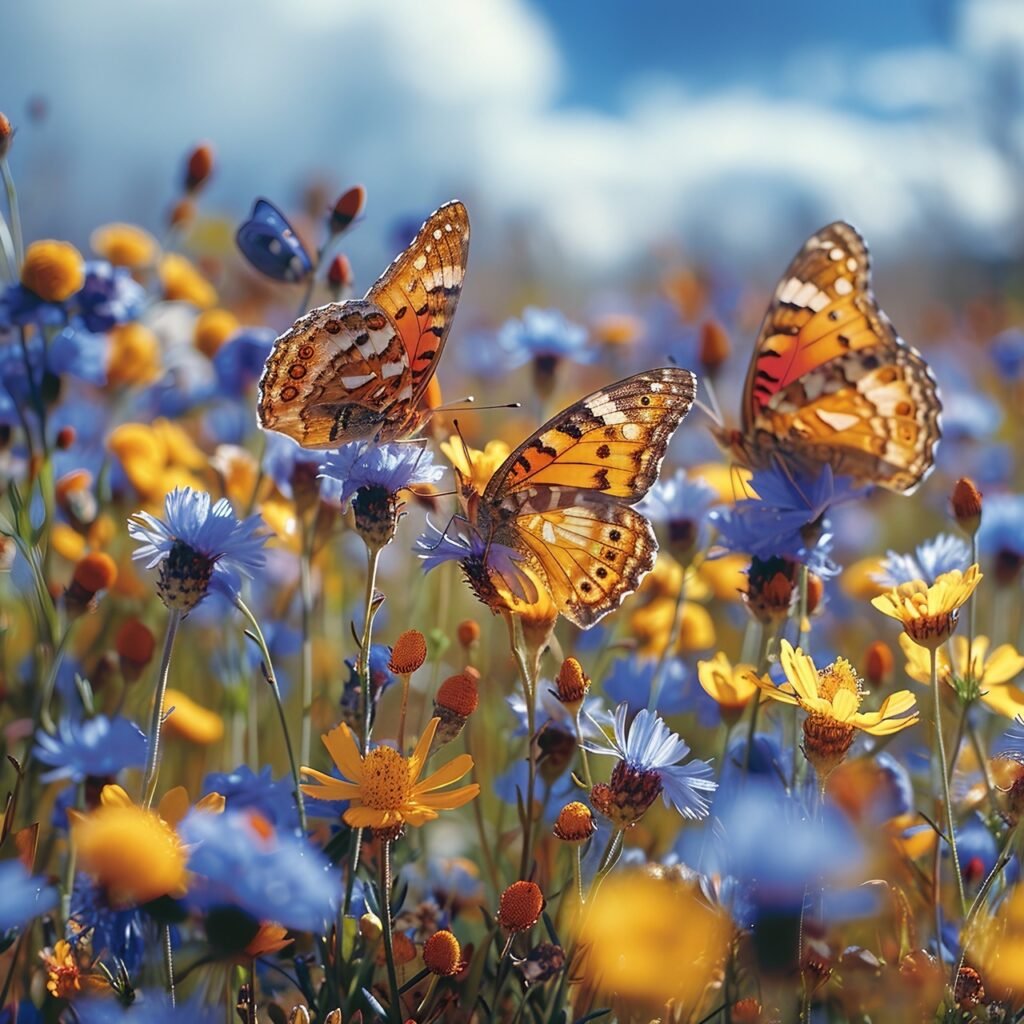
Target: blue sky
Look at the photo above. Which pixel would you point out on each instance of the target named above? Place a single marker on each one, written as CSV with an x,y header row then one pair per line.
x,y
595,134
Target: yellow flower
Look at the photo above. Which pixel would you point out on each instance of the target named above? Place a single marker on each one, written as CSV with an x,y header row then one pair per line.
x,y
480,466
992,675
858,580
617,329
384,787
191,721
652,626
634,927
157,457
212,329
832,697
125,245
53,270
996,944
133,357
725,577
729,480
929,614
732,686
182,282
134,852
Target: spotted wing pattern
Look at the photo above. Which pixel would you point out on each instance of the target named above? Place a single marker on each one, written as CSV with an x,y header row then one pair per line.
x,y
563,497
831,381
356,370
421,289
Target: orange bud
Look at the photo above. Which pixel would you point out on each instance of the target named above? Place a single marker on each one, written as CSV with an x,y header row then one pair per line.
x,y
878,663
135,645
6,135
715,348
349,205
520,906
66,438
460,693
468,632
339,273
198,167
409,652
96,571
442,954
967,505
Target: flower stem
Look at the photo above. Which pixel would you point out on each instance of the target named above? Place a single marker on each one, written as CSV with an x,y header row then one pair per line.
x,y
515,632
950,826
268,673
12,205
363,667
306,594
157,717
583,751
169,964
389,952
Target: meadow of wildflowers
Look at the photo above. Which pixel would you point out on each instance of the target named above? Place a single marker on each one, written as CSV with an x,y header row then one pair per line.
x,y
327,697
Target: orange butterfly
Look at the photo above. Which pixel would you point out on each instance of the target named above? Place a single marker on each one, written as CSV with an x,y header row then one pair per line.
x,y
831,382
559,505
358,370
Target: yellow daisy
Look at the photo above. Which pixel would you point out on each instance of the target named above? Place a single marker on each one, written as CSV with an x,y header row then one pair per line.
x,y
929,613
731,686
480,466
384,787
992,674
832,697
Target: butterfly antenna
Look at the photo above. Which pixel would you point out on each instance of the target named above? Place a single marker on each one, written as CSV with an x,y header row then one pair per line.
x,y
469,403
465,447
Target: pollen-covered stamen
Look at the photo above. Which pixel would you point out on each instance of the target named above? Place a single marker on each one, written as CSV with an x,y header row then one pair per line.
x,y
840,675
184,577
385,784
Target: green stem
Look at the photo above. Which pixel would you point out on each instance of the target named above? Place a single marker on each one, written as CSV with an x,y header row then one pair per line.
x,y
583,750
45,718
156,720
268,672
306,594
363,666
950,826
389,953
12,205
515,630
169,965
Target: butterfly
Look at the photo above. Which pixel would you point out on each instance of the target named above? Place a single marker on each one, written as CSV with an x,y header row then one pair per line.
x,y
831,382
270,244
357,370
561,502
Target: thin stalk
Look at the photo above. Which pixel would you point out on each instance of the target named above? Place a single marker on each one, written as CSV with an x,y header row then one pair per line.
x,y
45,718
169,965
404,677
363,666
670,644
950,826
804,634
767,638
306,595
583,750
395,1009
268,672
515,631
156,720
12,205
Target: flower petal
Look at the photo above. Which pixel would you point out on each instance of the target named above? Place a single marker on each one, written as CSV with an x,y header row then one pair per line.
x,y
341,745
451,772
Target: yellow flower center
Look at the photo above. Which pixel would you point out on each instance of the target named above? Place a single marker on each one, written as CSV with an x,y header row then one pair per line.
x,y
838,676
385,779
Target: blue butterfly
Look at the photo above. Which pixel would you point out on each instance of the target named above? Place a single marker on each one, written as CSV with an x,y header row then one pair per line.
x,y
268,242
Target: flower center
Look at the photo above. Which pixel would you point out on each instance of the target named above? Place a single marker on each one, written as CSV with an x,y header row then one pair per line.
x,y
838,676
385,779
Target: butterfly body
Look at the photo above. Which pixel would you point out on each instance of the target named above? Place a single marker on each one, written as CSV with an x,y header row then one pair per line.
x,y
358,370
563,499
831,382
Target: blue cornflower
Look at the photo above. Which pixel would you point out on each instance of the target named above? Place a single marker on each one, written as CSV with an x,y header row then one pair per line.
x,y
1011,743
630,680
22,897
649,754
1001,534
543,336
97,746
681,504
788,518
551,711
244,790
238,363
1007,351
968,416
386,467
290,466
109,296
929,561
110,931
197,546
277,877
479,560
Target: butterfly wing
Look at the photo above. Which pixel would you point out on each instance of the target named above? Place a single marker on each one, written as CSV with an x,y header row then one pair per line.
x,y
268,242
831,381
420,291
562,498
340,374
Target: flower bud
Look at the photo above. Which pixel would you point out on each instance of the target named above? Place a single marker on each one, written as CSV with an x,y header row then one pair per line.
x,y
878,663
468,632
198,167
442,954
573,683
967,505
714,346
340,276
408,653
348,207
53,270
135,645
6,135
95,572
457,698
575,823
66,438
520,906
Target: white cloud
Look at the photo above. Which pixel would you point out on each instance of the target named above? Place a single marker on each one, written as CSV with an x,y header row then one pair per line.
x,y
420,101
